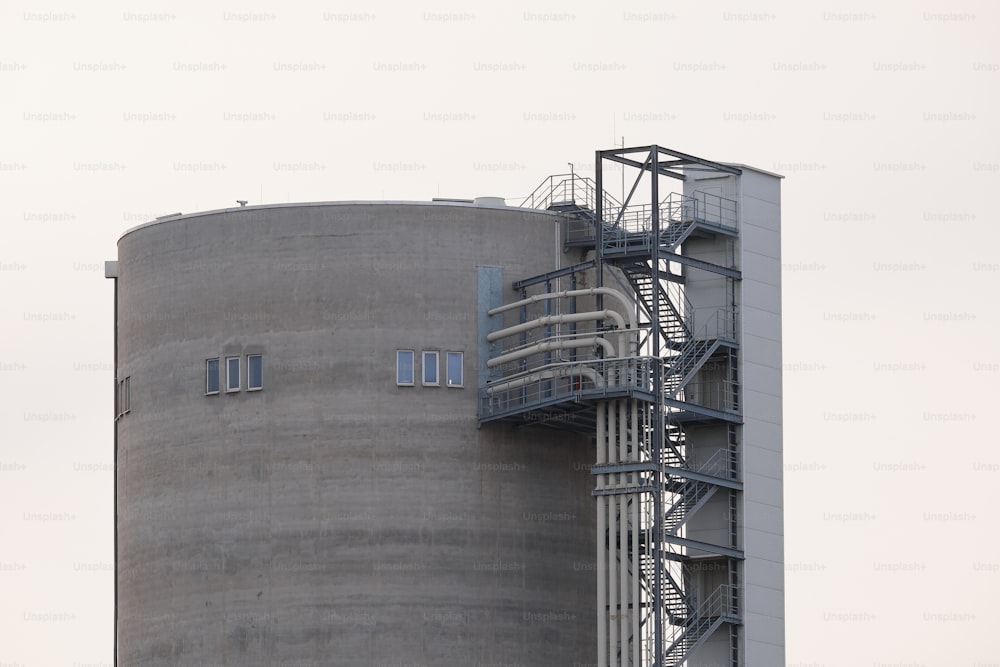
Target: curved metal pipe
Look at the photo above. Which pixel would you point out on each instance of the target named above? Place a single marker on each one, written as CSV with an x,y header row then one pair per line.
x,y
606,291
547,345
557,319
567,371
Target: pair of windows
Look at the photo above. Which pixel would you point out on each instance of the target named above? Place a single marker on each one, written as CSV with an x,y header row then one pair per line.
x,y
406,368
233,366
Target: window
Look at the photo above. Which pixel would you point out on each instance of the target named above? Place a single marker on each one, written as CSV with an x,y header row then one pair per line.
x,y
232,374
431,369
454,369
255,372
123,397
404,368
212,376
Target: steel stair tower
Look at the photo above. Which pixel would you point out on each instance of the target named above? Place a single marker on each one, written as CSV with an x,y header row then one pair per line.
x,y
642,350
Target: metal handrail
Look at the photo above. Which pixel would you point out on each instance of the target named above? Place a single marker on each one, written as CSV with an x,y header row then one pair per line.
x,y
716,394
545,194
630,373
678,296
722,602
720,324
718,606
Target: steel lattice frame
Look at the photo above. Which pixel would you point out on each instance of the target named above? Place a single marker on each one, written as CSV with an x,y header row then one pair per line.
x,y
657,162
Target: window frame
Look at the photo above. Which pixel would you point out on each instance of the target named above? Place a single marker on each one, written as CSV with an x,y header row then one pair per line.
x,y
413,368
461,369
208,376
436,354
229,375
259,387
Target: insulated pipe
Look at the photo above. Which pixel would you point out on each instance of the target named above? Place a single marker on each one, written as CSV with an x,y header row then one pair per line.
x,y
636,574
615,294
566,371
557,319
623,534
612,536
613,559
636,560
602,550
547,345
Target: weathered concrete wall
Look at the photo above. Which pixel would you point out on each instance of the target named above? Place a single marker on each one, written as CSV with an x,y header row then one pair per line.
x,y
333,517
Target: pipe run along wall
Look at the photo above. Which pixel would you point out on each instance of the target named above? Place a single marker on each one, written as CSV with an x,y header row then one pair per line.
x,y
623,346
628,304
547,345
619,599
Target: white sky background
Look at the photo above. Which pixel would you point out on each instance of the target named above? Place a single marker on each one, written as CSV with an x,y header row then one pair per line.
x,y
883,117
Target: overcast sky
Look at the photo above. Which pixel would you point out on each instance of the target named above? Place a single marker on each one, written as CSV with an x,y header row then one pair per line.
x,y
882,116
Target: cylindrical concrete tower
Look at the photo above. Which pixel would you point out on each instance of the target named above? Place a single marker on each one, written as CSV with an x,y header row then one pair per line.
x,y
301,479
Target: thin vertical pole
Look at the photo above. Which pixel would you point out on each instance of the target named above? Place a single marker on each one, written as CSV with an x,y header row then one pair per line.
x,y
602,552
658,425
623,533
548,384
612,535
599,225
115,481
572,309
636,560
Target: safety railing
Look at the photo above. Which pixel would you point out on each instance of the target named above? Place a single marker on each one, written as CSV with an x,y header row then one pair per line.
x,y
568,380
682,305
712,322
632,226
722,602
719,607
723,463
714,209
568,188
703,207
722,395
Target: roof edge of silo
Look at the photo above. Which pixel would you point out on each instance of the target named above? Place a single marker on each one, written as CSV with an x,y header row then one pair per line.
x,y
478,202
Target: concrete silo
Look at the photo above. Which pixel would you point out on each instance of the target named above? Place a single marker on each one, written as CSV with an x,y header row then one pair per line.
x,y
285,498
456,432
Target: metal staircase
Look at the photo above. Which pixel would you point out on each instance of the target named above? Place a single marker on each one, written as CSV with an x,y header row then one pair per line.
x,y
673,305
719,608
652,475
682,367
674,602
691,496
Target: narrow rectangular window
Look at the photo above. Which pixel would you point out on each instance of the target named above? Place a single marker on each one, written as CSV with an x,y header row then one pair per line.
x,y
127,395
404,368
430,362
255,372
212,376
232,374
455,369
